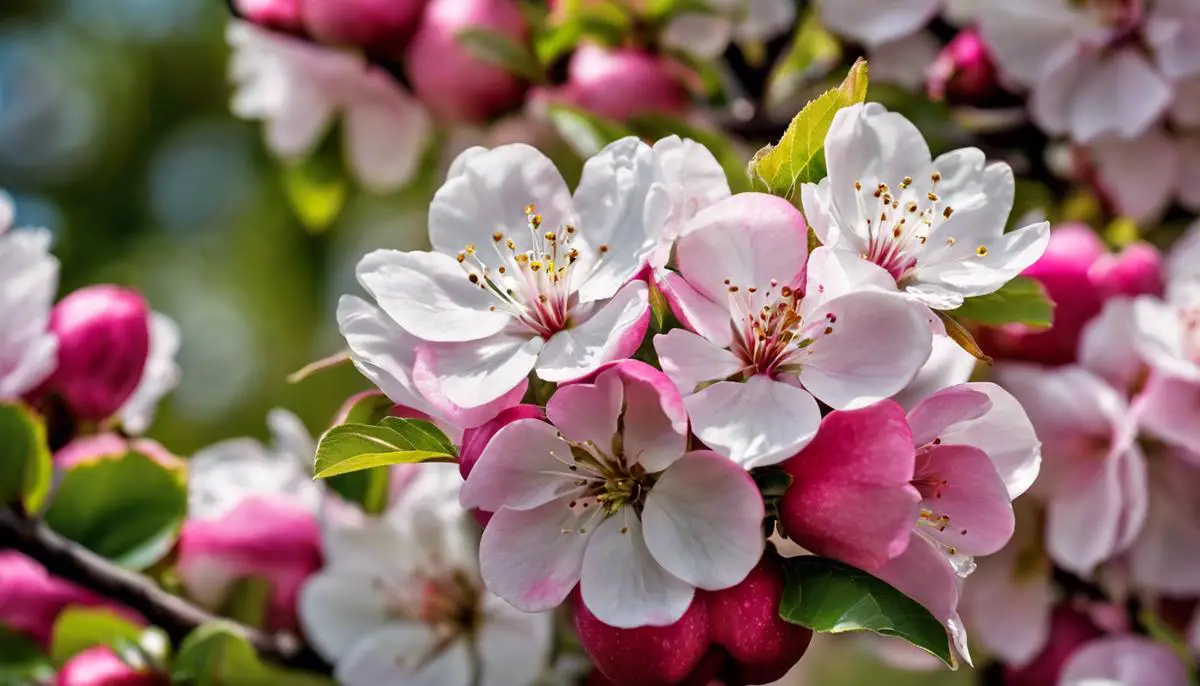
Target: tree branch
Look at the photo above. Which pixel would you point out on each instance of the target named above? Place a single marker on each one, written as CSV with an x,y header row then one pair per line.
x,y
173,614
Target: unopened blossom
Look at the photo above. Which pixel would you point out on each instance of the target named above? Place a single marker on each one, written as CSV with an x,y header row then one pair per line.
x,y
935,225
1124,661
400,600
524,276
748,22
381,25
622,83
28,281
760,351
279,14
297,89
607,496
100,666
963,71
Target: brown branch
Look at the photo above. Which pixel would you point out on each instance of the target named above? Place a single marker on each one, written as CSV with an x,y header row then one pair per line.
x,y
173,614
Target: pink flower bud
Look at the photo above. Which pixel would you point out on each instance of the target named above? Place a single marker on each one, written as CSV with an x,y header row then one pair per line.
x,y
382,25
277,14
260,538
100,666
1137,270
648,655
31,599
964,71
621,83
475,440
1064,271
104,446
745,621
103,343
451,81
1069,629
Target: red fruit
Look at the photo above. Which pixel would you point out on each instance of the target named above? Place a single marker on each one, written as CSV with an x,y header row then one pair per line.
x,y
384,25
745,621
622,83
649,655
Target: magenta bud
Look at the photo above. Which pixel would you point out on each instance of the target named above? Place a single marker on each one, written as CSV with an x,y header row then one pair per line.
x,y
100,666
103,342
621,83
648,655
276,14
964,71
446,76
383,25
1069,630
1137,270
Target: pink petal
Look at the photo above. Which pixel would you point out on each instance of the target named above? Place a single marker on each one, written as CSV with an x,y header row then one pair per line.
x,y
695,311
1164,557
476,439
943,409
851,498
613,332
656,422
691,360
924,574
1124,661
525,465
1170,410
1008,606
621,582
971,512
588,411
703,521
1005,433
526,558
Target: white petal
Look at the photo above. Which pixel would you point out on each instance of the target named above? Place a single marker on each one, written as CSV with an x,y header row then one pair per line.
x,y
160,377
1096,109
474,373
822,215
703,521
1108,346
490,193
336,613
381,350
691,360
694,180
623,585
948,365
1160,338
872,22
962,270
524,466
404,653
514,646
613,332
27,348
702,35
904,61
623,207
1139,175
532,558
430,295
1026,37
1006,434
387,132
757,423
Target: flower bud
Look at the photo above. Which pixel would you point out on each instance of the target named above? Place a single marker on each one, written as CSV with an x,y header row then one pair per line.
x,y
964,71
648,655
744,619
274,540
1137,270
451,81
100,666
276,14
1069,629
31,599
103,343
108,445
621,83
1064,272
383,25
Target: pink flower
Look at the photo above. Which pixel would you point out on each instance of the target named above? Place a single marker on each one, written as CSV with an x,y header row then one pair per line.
x,y
607,496
452,82
1066,631
270,539
1164,557
622,83
964,71
383,25
760,353
103,344
279,14
1137,270
31,599
100,666
1124,661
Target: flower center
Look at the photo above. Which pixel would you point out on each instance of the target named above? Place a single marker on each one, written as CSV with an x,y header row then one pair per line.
x,y
769,330
898,224
604,484
536,286
446,600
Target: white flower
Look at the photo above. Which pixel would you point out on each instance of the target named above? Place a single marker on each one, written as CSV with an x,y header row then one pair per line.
x,y
28,281
707,34
694,180
299,88
160,376
875,22
935,225
524,276
400,601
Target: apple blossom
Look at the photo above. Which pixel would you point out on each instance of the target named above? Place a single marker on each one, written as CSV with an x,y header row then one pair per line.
x,y
707,34
763,352
621,83
606,495
523,276
1124,661
27,286
100,666
1066,632
935,225
451,81
694,180
103,344
400,600
298,88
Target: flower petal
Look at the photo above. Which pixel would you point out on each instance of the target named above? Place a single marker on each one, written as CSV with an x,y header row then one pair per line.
x,y
703,521
514,646
1124,661
430,295
387,131
969,505
1005,434
948,365
1170,411
944,409
408,653
756,423
476,373
1109,344
526,558
525,465
381,350
623,585
613,332
695,311
924,574
691,360
160,377
873,23
1163,558
655,421
693,177
589,411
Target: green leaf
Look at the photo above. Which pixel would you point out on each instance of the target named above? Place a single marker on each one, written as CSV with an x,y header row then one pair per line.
x,y
1020,301
504,52
831,597
962,336
316,190
217,654
127,508
656,126
248,601
368,488
813,52
586,133
799,157
21,661
80,628
606,21
353,447
25,467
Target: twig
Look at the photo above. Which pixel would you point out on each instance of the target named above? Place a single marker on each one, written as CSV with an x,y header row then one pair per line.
x,y
173,614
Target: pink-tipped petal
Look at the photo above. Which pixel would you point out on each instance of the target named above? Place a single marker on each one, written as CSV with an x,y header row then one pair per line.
x,y
525,465
533,558
473,374
695,310
944,409
613,332
476,439
585,412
